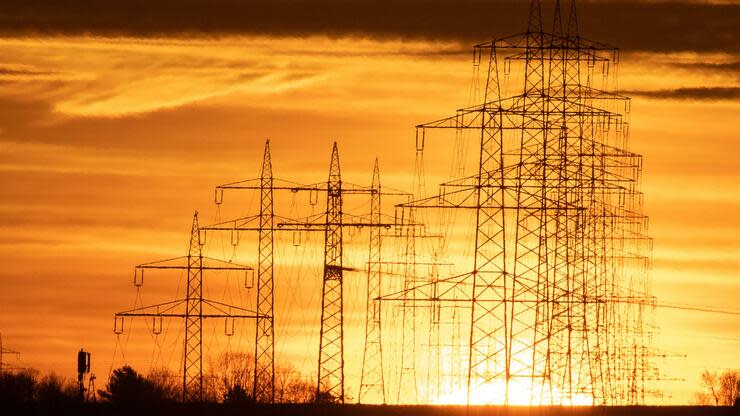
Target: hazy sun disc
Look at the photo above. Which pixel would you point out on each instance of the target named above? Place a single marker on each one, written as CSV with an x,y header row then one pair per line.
x,y
520,394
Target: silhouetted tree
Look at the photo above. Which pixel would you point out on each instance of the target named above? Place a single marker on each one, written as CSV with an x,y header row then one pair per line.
x,y
290,387
326,397
232,375
54,392
17,389
237,394
719,389
166,383
127,387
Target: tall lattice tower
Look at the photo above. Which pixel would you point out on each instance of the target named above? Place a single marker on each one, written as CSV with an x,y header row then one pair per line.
x,y
264,355
557,291
372,383
331,347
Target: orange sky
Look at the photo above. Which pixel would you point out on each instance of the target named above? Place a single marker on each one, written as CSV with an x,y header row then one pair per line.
x,y
108,145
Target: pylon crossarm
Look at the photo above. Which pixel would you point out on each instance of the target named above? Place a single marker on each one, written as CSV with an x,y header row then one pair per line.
x,y
519,41
182,315
243,184
584,54
516,116
153,310
209,263
260,183
318,223
212,309
280,184
585,92
464,118
473,117
250,223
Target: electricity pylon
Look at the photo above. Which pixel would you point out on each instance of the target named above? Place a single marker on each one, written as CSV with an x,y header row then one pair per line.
x,y
330,385
264,224
331,341
264,356
560,236
372,385
193,309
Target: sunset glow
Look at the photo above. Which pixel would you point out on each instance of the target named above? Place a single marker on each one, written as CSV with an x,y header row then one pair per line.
x,y
113,133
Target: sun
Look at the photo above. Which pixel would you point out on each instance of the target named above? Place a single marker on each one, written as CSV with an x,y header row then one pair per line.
x,y
520,394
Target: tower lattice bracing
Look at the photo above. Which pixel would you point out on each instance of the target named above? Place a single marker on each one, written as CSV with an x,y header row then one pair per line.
x,y
193,362
264,357
557,290
331,347
372,386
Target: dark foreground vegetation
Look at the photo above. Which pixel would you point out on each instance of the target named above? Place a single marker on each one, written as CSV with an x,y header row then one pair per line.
x,y
129,393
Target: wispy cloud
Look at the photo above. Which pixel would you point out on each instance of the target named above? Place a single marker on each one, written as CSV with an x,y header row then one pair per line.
x,y
694,94
733,66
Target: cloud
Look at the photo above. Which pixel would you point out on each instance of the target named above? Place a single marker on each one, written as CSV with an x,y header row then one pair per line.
x,y
6,70
724,67
694,94
631,24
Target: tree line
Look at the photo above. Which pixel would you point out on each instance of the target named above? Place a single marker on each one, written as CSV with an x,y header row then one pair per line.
x,y
229,379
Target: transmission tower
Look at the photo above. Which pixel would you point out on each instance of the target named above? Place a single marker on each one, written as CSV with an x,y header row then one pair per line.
x,y
331,344
193,309
372,385
560,247
264,357
330,386
264,224
331,372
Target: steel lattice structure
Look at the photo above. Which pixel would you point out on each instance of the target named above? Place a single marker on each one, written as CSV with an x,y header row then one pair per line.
x,y
372,383
330,381
558,291
264,357
553,306
193,309
331,344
